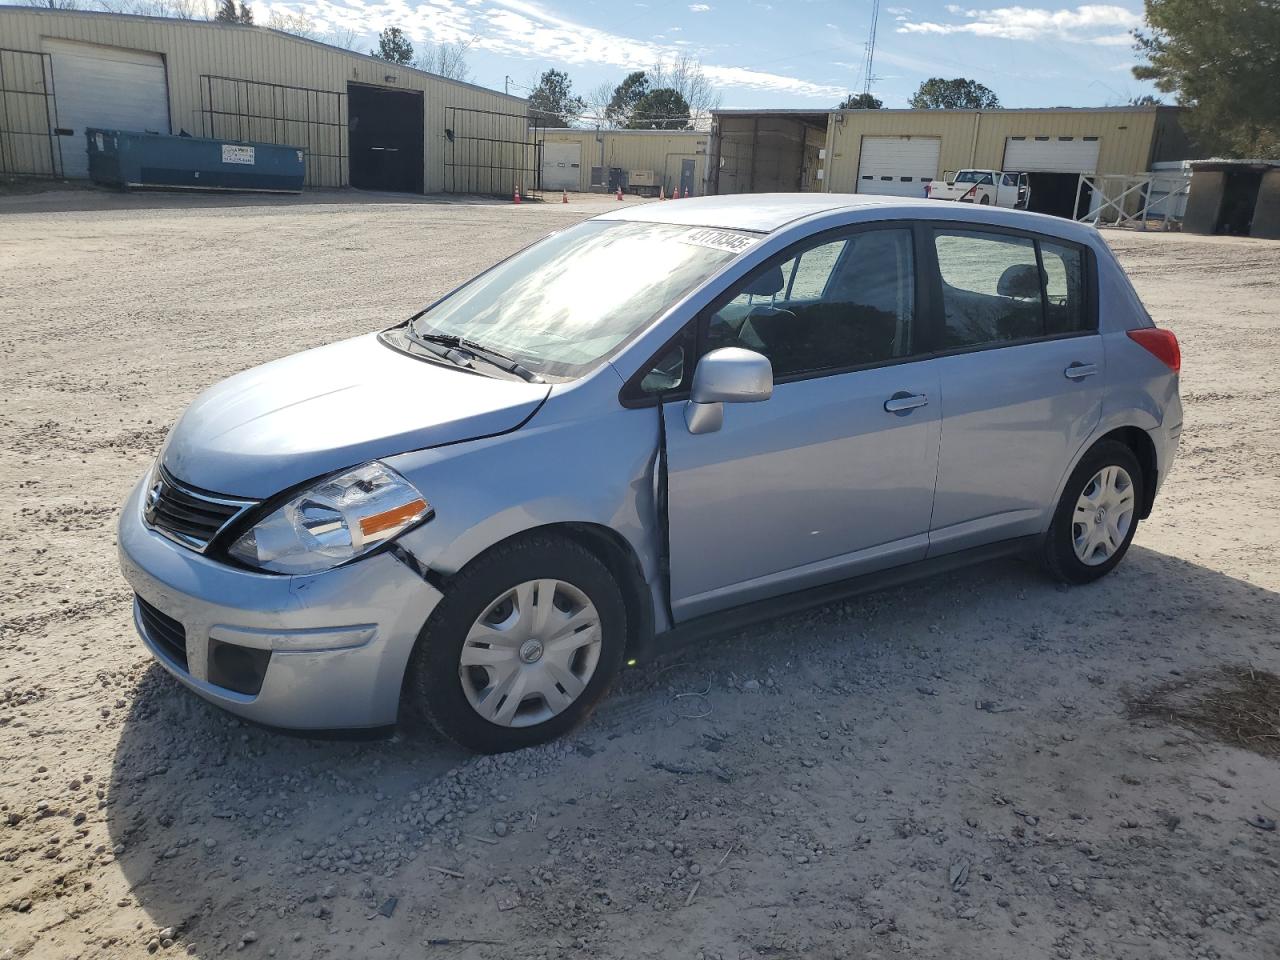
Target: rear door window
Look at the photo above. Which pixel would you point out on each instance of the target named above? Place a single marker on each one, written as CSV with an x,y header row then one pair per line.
x,y
1003,288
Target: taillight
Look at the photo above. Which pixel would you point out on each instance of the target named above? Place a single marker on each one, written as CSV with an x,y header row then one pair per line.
x,y
1161,344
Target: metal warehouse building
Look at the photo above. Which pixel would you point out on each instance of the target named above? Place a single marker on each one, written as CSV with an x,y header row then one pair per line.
x,y
897,152
574,159
361,121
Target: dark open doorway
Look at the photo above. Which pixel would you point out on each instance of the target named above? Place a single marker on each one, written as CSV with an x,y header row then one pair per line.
x,y
386,138
1055,194
1239,198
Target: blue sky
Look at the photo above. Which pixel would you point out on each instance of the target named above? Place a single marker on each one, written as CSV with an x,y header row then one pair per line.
x,y
776,53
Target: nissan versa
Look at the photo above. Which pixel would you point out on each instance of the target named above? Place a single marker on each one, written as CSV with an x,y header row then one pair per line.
x,y
662,420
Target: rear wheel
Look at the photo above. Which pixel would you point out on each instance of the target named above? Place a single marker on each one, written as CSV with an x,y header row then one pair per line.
x,y
524,644
1097,516
986,200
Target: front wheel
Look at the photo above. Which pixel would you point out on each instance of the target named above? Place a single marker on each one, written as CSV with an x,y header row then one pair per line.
x,y
1097,516
525,642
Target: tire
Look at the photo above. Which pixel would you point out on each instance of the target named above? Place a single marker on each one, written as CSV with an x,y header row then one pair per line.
x,y
1103,534
490,612
985,201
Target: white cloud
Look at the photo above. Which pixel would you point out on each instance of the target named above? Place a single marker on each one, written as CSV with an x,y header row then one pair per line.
x,y
699,7
1089,23
526,29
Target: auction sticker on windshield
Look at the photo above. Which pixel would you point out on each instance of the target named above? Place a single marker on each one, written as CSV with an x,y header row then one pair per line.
x,y
726,240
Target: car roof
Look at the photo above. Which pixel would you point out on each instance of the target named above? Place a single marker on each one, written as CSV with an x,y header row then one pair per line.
x,y
769,212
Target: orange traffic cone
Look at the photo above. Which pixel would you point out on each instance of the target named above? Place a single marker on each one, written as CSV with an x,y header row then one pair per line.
x,y
686,193
564,196
515,197
619,192
675,193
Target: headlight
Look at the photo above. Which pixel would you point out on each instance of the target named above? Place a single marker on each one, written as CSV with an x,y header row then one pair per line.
x,y
337,520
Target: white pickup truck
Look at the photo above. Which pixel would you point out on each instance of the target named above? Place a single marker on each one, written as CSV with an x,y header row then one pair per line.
x,y
985,187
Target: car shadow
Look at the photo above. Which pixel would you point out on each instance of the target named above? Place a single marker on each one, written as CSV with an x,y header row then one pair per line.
x,y
220,824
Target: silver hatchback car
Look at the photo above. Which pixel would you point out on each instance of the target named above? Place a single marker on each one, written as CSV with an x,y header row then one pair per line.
x,y
663,420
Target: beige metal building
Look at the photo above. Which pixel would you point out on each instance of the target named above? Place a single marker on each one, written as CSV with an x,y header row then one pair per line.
x,y
362,122
575,159
898,152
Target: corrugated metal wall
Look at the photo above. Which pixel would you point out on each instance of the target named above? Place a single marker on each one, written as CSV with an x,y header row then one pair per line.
x,y
658,150
193,48
977,138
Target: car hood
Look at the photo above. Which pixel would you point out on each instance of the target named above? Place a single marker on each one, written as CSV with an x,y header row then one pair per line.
x,y
310,414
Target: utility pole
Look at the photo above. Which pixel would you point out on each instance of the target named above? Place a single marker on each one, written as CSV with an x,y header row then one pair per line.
x,y
506,84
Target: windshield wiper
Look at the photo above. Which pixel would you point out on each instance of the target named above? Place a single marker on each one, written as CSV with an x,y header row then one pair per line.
x,y
478,351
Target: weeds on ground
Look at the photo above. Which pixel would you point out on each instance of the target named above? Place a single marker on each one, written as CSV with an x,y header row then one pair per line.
x,y
1235,705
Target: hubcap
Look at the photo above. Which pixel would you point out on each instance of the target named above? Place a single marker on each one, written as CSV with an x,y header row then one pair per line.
x,y
1103,516
531,653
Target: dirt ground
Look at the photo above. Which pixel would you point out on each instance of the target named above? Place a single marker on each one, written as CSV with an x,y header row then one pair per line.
x,y
944,770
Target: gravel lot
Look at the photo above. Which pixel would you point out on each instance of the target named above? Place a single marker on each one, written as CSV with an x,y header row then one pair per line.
x,y
947,770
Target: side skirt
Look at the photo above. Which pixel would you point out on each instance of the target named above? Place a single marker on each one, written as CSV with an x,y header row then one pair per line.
x,y
735,618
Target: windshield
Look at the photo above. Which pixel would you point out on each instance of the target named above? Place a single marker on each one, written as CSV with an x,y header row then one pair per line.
x,y
567,302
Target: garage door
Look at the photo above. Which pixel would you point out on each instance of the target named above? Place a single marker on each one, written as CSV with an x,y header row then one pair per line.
x,y
1052,154
897,166
562,166
105,87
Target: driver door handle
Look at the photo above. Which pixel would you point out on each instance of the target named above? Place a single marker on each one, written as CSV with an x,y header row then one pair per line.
x,y
1078,371
902,401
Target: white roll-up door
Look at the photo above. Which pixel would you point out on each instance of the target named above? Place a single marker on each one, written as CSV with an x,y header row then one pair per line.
x,y
562,166
898,166
109,87
1052,154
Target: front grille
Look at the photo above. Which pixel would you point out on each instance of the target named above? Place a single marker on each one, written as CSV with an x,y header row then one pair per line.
x,y
164,631
188,515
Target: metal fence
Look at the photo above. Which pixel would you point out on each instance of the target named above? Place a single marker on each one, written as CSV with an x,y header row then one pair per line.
x,y
492,153
314,120
29,136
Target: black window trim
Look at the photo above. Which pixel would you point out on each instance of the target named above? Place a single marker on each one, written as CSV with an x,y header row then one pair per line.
x,y
928,320
1088,264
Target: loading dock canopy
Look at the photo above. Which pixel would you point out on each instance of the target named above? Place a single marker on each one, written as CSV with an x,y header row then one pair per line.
x,y
767,151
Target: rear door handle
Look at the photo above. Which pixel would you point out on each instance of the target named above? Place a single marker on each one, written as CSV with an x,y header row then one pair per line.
x,y
1078,371
903,402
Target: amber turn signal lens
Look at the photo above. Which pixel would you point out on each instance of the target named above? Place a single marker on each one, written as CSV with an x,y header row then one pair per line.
x,y
389,519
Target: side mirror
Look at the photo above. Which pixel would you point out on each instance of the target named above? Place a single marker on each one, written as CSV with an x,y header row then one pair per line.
x,y
727,375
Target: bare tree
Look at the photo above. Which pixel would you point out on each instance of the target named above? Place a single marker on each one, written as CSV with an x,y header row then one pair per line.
x,y
684,74
598,105
343,37
446,60
56,4
298,24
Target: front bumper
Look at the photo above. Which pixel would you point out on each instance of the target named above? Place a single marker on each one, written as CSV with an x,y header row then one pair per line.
x,y
335,644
